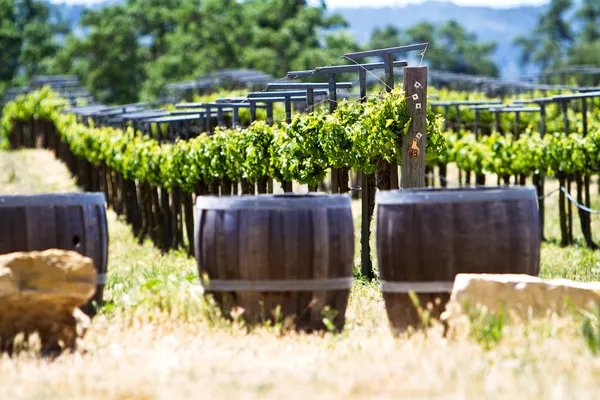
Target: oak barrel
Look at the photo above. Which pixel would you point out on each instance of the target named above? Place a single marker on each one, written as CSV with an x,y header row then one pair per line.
x,y
69,221
426,236
293,251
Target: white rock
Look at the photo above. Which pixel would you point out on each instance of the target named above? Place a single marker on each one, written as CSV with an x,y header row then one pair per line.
x,y
522,296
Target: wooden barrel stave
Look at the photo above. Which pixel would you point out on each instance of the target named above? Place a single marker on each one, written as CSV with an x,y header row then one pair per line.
x,y
263,244
341,240
75,222
434,240
278,268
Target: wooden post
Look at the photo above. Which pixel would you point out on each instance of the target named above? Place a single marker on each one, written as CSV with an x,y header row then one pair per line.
x,y
176,226
252,111
443,166
498,124
479,179
564,231
136,207
220,122
413,145
476,124
583,185
207,119
166,214
367,202
565,109
334,172
236,117
158,234
388,60
310,100
269,113
457,129
519,180
147,221
188,210
540,192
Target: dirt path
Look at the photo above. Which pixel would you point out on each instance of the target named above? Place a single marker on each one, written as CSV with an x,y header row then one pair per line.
x,y
33,171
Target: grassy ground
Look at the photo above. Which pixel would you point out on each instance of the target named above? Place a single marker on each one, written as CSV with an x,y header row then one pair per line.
x,y
158,340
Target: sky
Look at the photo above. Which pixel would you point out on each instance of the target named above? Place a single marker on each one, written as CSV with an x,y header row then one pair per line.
x,y
332,4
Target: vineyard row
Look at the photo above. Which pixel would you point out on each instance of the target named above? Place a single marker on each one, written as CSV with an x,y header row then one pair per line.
x,y
154,183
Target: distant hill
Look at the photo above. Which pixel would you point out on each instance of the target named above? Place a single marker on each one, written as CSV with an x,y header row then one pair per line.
x,y
489,24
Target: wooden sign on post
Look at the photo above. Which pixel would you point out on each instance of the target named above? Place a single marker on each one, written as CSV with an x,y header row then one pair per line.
x,y
413,145
387,178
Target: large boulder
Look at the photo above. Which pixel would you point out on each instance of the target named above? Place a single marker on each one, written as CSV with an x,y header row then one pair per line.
x,y
40,292
519,296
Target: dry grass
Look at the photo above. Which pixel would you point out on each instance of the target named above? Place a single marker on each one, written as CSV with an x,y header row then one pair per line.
x,y
156,339
167,360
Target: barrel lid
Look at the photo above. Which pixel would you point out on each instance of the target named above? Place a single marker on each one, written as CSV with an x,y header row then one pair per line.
x,y
455,195
52,199
286,201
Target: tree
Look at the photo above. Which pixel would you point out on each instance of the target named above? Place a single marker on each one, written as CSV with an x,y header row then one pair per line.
x,y
589,15
464,53
10,41
155,19
274,36
550,40
283,31
453,49
27,38
586,49
212,40
388,36
335,45
110,59
38,49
